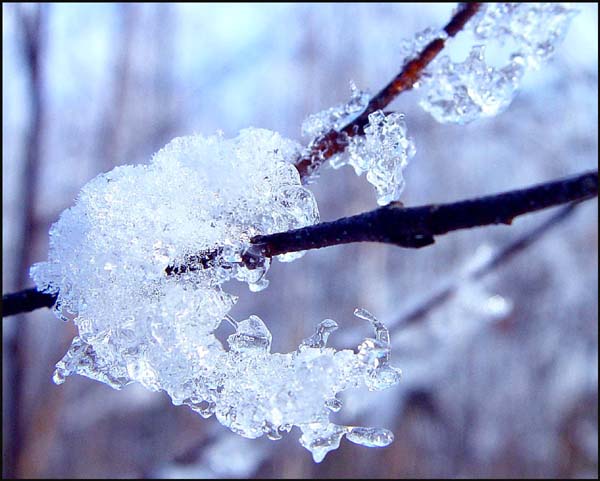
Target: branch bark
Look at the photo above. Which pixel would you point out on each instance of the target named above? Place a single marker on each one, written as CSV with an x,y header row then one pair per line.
x,y
411,227
416,227
334,142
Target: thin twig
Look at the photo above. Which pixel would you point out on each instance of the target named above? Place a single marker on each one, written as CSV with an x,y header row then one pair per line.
x,y
411,227
26,301
334,141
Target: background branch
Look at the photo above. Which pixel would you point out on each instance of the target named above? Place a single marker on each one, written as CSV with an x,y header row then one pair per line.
x,y
334,142
500,257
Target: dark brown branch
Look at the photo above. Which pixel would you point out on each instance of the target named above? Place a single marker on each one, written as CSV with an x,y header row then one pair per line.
x,y
411,227
416,227
501,257
26,301
334,142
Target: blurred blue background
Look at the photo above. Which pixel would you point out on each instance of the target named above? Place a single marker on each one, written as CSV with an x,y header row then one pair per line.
x,y
500,380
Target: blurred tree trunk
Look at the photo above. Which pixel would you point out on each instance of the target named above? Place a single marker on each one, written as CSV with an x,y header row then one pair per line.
x,y
32,22
112,127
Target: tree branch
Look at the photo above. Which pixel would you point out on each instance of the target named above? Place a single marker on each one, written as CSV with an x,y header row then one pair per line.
x,y
416,227
26,301
334,142
411,227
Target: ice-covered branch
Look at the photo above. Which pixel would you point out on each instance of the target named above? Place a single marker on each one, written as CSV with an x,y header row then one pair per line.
x,y
416,227
411,227
335,141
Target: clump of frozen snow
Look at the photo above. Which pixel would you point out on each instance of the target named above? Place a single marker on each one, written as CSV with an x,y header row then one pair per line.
x,y
460,92
110,253
537,28
383,153
126,260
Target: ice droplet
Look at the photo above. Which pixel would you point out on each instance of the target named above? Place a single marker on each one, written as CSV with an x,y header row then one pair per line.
x,y
370,437
335,118
320,439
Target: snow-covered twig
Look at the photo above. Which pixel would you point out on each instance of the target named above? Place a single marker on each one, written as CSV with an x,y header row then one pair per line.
x,y
411,227
334,142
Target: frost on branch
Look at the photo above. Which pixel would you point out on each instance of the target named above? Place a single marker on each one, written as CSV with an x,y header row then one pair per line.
x,y
335,118
107,260
383,153
460,92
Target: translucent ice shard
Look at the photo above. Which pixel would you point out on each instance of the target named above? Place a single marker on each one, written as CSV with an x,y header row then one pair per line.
x,y
537,28
382,153
465,91
460,92
375,354
335,118
319,338
82,359
251,334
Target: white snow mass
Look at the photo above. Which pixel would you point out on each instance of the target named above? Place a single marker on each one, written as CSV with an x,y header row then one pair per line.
x,y
109,262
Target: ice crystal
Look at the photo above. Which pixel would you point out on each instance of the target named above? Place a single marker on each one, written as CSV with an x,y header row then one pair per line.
x,y
411,48
127,261
383,153
537,28
318,125
110,253
460,92
337,117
